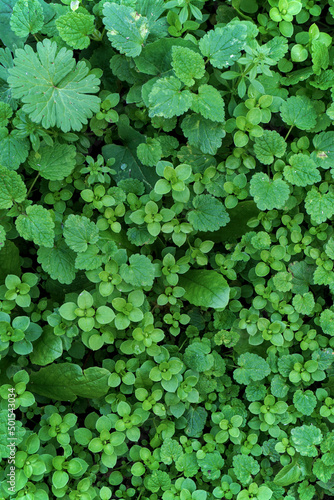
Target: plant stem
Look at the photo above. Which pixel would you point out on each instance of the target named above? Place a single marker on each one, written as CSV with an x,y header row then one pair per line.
x,y
287,135
32,185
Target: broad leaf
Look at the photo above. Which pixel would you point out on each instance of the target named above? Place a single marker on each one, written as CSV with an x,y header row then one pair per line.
x,y
205,288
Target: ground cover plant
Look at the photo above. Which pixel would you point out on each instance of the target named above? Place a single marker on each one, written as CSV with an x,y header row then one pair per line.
x,y
166,250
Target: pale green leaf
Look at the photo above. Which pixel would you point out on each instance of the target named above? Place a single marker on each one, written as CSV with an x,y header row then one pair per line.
x,y
27,17
12,188
167,99
304,401
252,367
139,272
298,111
223,45
53,162
319,206
36,225
305,439
187,65
202,133
79,232
302,171
74,28
149,152
267,193
269,145
209,103
205,288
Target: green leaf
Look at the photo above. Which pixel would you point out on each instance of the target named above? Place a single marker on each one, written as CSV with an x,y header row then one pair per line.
x,y
36,225
305,439
223,45
170,451
12,188
288,475
197,357
158,480
187,65
10,262
196,418
209,214
203,133
269,145
74,28
27,17
7,36
252,367
139,272
267,193
319,206
323,472
14,150
304,304
211,465
205,288
79,232
302,276
298,111
58,262
245,467
323,155
54,88
209,103
149,152
54,163
126,29
302,171
304,401
167,99
47,348
327,322
67,381
6,113
320,56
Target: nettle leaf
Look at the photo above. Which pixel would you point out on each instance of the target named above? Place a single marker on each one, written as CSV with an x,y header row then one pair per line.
x,y
223,45
149,152
196,418
140,271
319,206
7,35
205,288
209,103
36,225
170,451
298,111
211,465
305,439
126,29
267,193
252,367
197,357
54,88
269,145
54,163
305,401
327,322
79,232
14,150
167,99
203,133
323,155
58,262
158,480
209,214
12,188
245,467
27,17
187,65
304,304
302,171
67,381
75,28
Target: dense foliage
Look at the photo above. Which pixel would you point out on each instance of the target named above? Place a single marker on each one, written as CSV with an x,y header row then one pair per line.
x,y
167,249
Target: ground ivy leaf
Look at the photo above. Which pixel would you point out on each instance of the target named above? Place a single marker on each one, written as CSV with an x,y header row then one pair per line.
x,y
140,271
79,231
67,381
209,213
209,103
302,171
267,193
74,28
319,206
203,133
252,367
167,99
47,348
269,145
12,188
223,45
196,418
305,439
126,29
304,401
27,17
53,162
54,88
205,288
298,111
58,262
36,225
187,65
149,152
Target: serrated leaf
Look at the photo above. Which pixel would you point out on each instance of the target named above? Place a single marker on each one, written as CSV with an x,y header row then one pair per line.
x,y
89,259
205,288
126,29
202,133
58,262
5,113
54,163
67,381
55,90
319,206
196,418
197,357
304,304
170,451
167,99
79,232
305,439
9,260
302,276
8,36
27,17
149,152
36,225
209,214
320,56
187,65
298,111
269,145
245,467
74,28
14,150
302,171
12,188
304,401
139,272
323,155
267,193
223,45
209,103
47,348
252,367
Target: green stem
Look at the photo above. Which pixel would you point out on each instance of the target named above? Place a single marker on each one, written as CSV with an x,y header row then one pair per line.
x,y
32,185
287,135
